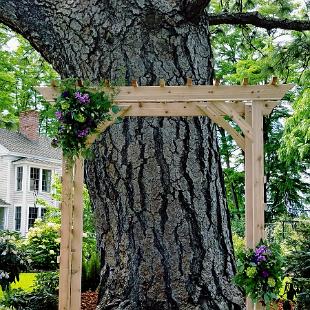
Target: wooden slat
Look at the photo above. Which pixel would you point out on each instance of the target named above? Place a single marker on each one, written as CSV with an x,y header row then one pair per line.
x,y
248,183
194,93
199,92
219,120
216,82
189,82
106,124
241,122
174,108
258,172
245,82
274,81
77,235
134,83
65,245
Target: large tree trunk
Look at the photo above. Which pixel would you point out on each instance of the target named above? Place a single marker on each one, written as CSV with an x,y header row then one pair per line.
x,y
155,183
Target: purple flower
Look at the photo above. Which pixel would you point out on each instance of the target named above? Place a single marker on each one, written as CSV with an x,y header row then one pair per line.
x,y
58,115
83,98
83,133
261,250
65,94
265,274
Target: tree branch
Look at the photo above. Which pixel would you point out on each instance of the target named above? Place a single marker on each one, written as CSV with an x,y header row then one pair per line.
x,y
257,20
194,9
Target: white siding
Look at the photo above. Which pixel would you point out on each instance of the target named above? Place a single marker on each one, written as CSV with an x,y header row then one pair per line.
x,y
3,177
24,198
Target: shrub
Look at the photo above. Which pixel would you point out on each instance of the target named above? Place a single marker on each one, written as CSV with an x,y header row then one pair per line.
x,y
12,261
35,300
43,245
48,281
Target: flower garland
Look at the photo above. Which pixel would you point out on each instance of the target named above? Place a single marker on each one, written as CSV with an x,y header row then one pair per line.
x,y
259,273
77,112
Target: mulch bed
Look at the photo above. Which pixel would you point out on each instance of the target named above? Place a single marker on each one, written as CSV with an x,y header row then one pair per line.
x,y
89,300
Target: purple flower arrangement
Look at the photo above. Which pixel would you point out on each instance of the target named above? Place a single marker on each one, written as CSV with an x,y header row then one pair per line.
x,y
259,272
77,113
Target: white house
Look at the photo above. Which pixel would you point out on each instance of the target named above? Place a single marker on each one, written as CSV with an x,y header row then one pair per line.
x,y
28,164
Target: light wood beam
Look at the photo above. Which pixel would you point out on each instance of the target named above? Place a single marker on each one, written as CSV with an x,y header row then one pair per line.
x,y
65,245
77,234
258,172
248,168
106,124
129,94
241,122
211,112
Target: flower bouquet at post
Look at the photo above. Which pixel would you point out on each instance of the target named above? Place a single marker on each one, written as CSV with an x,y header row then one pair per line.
x,y
259,273
77,112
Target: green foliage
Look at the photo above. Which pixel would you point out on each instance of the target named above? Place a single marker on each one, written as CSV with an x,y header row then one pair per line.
x,y
287,191
42,297
43,245
76,114
239,244
298,266
48,281
296,138
245,51
259,272
90,272
12,261
21,69
35,300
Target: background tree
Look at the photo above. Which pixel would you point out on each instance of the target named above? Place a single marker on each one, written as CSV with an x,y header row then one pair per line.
x,y
21,69
260,54
156,184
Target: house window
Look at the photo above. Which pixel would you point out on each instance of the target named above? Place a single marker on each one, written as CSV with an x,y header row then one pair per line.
x,y
33,214
18,217
34,179
46,180
2,218
19,178
42,213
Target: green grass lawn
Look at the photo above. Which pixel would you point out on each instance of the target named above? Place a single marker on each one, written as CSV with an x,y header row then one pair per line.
x,y
25,282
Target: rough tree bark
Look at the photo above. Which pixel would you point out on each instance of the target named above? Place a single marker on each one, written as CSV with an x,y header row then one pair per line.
x,y
156,183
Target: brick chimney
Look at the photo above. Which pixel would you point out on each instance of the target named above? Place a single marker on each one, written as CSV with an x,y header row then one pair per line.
x,y
29,124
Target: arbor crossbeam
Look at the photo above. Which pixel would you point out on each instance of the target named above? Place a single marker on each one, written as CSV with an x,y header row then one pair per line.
x,y
245,105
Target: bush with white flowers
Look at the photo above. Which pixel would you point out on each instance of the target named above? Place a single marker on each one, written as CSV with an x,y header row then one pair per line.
x,y
43,245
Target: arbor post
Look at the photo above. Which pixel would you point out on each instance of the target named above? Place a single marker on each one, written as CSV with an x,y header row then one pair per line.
x,y
254,182
71,235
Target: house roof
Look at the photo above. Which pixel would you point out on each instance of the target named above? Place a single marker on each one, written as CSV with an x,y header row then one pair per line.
x,y
3,203
31,160
17,143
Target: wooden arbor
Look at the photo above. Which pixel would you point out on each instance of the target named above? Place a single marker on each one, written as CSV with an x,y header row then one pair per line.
x,y
245,105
